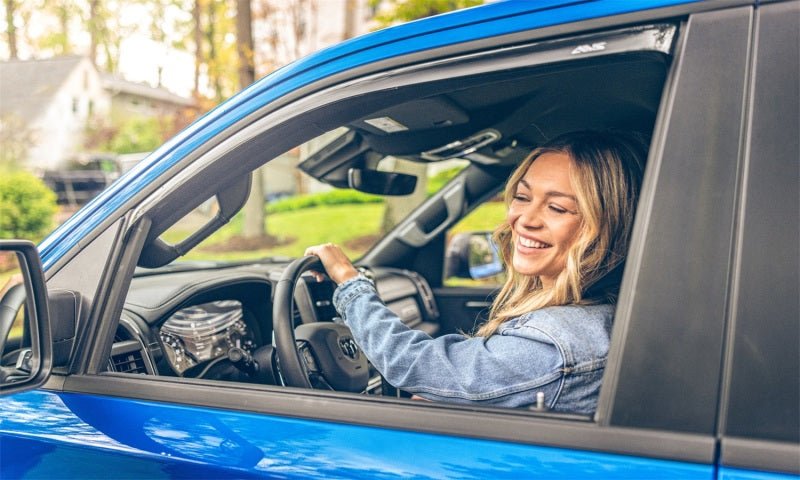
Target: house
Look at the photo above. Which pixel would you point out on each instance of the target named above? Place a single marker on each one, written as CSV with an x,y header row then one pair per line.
x,y
140,99
45,104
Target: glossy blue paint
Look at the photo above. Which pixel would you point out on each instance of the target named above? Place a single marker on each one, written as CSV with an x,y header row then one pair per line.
x,y
740,474
463,26
86,436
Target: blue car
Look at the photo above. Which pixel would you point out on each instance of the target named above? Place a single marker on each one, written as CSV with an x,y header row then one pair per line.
x,y
143,353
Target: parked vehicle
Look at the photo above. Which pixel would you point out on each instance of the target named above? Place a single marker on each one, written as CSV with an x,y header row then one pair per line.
x,y
81,181
125,366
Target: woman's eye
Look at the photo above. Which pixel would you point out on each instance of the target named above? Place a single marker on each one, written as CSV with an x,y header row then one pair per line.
x,y
558,209
520,197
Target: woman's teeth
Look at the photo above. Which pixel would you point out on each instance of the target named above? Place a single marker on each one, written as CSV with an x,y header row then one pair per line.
x,y
526,242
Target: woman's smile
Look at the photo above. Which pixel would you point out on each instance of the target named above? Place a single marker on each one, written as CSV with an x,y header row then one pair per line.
x,y
530,243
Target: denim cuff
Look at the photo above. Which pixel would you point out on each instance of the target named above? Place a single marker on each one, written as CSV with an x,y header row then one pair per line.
x,y
349,290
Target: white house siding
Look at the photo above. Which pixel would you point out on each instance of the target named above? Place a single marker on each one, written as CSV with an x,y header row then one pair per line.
x,y
59,130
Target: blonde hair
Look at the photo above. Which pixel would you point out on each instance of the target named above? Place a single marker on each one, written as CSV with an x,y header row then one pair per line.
x,y
606,177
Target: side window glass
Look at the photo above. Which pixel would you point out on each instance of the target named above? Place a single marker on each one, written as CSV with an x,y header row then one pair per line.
x,y
471,257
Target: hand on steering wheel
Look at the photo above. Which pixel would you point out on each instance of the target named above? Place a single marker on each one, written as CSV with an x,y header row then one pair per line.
x,y
335,262
321,354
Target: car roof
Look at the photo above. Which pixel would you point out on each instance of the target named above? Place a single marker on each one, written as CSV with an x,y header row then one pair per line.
x,y
463,26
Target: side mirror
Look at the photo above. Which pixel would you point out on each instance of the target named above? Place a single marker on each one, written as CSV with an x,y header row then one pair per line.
x,y
26,350
472,255
381,183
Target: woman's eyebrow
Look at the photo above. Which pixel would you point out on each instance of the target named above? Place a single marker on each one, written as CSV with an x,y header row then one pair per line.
x,y
554,193
551,193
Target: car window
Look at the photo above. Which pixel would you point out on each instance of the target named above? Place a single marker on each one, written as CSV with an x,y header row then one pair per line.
x,y
301,210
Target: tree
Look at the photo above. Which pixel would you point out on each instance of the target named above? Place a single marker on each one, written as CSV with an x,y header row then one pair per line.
x,y
11,28
59,41
27,206
106,32
255,225
395,11
398,11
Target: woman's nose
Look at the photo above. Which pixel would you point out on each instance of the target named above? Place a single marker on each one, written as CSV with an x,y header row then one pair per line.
x,y
531,217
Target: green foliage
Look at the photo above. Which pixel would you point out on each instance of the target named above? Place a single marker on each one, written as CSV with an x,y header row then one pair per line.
x,y
137,134
436,182
27,206
331,197
486,218
407,10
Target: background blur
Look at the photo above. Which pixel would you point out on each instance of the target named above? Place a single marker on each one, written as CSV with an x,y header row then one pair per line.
x,y
89,87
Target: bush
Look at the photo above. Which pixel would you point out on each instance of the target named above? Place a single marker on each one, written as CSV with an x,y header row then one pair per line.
x,y
27,206
331,197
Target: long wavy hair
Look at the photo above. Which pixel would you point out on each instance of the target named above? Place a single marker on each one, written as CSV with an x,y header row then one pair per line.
x,y
606,176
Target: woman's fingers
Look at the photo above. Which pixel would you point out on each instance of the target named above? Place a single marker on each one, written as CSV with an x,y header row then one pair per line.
x,y
336,263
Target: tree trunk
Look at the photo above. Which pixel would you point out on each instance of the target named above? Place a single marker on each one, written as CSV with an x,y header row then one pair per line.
x,y
94,30
349,19
255,225
198,47
213,68
244,43
11,29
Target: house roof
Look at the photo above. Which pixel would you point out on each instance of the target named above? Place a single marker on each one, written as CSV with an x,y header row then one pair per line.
x,y
28,86
116,85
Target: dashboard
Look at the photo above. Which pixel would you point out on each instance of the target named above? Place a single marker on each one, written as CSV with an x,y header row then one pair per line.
x,y
200,320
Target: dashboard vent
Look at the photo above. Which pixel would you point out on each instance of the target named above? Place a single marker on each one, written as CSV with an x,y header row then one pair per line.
x,y
126,357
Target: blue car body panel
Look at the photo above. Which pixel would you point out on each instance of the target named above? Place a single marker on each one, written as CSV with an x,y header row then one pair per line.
x,y
468,25
739,474
85,435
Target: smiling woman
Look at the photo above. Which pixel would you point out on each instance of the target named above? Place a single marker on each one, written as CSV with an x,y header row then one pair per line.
x,y
570,211
570,214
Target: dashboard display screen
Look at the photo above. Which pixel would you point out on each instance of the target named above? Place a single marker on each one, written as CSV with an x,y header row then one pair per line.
x,y
204,332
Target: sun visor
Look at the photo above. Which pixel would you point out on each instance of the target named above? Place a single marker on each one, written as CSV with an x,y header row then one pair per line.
x,y
422,114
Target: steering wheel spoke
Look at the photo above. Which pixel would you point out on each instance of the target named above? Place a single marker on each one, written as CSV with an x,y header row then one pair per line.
x,y
314,355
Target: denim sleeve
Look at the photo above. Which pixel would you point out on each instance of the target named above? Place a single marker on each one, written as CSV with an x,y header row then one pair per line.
x,y
505,370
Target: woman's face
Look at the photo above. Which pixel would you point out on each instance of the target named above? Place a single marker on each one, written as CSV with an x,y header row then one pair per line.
x,y
544,218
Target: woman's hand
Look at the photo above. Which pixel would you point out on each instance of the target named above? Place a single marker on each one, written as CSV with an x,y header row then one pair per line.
x,y
335,262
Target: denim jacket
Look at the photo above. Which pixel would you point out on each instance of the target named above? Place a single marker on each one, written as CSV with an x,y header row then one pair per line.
x,y
559,351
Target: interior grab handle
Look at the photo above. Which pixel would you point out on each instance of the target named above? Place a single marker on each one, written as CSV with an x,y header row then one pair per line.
x,y
453,197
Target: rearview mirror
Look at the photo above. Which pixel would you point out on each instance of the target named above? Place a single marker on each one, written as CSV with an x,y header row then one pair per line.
x,y
26,350
381,183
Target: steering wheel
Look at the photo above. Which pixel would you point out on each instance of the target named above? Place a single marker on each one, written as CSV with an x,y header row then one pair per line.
x,y
314,355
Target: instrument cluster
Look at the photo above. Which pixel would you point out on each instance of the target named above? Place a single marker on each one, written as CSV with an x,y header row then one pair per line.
x,y
201,333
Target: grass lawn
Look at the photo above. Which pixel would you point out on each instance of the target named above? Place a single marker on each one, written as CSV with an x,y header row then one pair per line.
x,y
340,224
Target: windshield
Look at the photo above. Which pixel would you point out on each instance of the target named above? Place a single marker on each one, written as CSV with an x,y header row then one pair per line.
x,y
300,210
